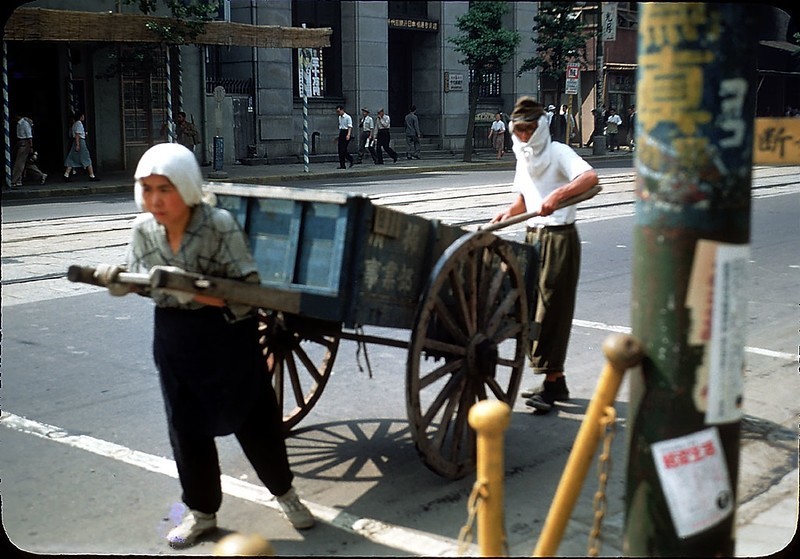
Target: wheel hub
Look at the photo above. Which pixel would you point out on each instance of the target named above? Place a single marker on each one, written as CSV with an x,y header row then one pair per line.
x,y
481,357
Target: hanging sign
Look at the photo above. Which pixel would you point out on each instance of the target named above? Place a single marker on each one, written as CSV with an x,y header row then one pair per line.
x,y
776,141
573,78
609,21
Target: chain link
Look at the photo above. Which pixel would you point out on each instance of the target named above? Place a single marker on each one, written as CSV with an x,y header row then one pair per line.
x,y
608,422
465,536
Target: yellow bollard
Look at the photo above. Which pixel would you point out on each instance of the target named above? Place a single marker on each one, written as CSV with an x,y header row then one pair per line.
x,y
251,545
622,352
490,419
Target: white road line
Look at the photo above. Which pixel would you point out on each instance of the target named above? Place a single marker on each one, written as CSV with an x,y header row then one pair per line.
x,y
403,539
627,330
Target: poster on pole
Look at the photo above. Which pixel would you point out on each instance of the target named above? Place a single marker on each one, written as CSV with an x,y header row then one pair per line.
x,y
695,480
573,78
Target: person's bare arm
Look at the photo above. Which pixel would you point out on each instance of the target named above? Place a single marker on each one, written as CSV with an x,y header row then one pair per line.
x,y
578,185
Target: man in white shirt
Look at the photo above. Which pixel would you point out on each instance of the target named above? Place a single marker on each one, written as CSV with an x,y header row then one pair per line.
x,y
381,132
24,151
364,142
548,173
345,132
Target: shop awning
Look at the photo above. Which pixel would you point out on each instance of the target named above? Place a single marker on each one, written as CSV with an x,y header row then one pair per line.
x,y
40,24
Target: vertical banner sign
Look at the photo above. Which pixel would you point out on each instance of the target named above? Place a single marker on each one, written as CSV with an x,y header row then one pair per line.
x,y
573,78
609,21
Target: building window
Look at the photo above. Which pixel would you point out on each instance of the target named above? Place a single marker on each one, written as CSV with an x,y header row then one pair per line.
x,y
144,108
325,63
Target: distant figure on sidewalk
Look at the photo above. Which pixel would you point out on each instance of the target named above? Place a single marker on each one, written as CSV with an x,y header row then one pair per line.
x,y
345,133
366,125
78,155
497,135
381,133
412,133
613,122
25,159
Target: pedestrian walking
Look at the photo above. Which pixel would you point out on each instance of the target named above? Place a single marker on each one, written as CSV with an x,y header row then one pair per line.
x,y
78,154
613,122
383,136
548,173
365,126
631,126
345,133
497,135
413,133
25,156
214,378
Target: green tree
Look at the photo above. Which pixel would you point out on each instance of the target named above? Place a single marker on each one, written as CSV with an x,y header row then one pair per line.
x,y
485,46
186,21
560,37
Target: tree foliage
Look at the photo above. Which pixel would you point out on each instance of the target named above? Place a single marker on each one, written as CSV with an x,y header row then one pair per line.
x,y
185,23
188,18
485,46
560,37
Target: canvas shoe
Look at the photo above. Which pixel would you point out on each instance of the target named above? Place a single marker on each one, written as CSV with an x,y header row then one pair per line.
x,y
193,525
557,388
295,511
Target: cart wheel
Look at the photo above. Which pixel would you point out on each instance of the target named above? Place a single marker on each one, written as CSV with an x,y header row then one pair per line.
x,y
468,343
300,353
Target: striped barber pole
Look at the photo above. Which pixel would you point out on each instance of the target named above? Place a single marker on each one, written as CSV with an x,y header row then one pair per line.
x,y
170,129
6,116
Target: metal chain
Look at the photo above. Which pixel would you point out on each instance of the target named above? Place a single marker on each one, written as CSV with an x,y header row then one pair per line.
x,y
608,422
465,536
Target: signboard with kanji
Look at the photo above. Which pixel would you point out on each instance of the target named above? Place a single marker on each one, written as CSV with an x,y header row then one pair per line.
x,y
776,141
573,78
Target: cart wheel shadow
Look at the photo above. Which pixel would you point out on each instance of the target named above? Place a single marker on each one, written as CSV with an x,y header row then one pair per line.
x,y
356,450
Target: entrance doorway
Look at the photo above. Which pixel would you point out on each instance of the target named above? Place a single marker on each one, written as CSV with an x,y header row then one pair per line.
x,y
400,73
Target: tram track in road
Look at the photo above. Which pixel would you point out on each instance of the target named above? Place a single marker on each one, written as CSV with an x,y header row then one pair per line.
x,y
40,251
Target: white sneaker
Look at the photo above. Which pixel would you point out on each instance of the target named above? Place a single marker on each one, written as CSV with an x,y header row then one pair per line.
x,y
44,177
295,511
193,525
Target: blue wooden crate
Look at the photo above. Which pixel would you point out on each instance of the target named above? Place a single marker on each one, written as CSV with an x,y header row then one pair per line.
x,y
336,256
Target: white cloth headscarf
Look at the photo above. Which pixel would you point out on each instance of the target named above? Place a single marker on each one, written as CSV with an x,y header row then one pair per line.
x,y
175,162
536,151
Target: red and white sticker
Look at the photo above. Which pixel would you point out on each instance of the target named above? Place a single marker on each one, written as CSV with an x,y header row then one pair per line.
x,y
695,480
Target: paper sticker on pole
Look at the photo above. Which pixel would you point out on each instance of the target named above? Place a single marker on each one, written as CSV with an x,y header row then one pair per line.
x,y
695,480
717,303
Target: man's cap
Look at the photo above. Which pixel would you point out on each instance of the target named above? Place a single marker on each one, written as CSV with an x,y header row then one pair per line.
x,y
366,110
551,107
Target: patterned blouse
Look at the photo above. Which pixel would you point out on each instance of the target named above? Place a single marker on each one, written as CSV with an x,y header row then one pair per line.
x,y
213,244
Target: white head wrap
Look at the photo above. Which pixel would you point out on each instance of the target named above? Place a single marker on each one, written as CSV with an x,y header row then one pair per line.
x,y
175,162
536,151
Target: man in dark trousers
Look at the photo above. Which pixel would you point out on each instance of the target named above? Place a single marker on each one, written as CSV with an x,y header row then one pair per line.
x,y
381,132
345,133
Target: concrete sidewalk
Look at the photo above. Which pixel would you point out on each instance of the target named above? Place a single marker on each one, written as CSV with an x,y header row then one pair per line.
x,y
122,181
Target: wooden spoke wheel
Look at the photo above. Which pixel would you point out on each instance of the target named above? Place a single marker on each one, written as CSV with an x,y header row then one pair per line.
x,y
300,353
468,344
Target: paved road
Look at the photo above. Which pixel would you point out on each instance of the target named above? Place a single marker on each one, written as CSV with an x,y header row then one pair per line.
x,y
357,469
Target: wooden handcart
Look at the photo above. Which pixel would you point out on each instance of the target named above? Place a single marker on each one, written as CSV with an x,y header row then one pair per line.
x,y
331,263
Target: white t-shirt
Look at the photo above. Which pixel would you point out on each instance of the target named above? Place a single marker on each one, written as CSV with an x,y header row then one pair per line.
x,y
78,129
564,166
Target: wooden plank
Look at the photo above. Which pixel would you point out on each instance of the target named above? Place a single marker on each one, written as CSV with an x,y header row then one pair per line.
x,y
40,24
776,141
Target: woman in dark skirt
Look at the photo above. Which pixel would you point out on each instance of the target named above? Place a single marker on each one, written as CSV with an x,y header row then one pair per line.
x,y
213,375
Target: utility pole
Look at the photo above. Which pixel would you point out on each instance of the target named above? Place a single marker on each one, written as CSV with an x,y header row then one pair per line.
x,y
599,141
696,93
